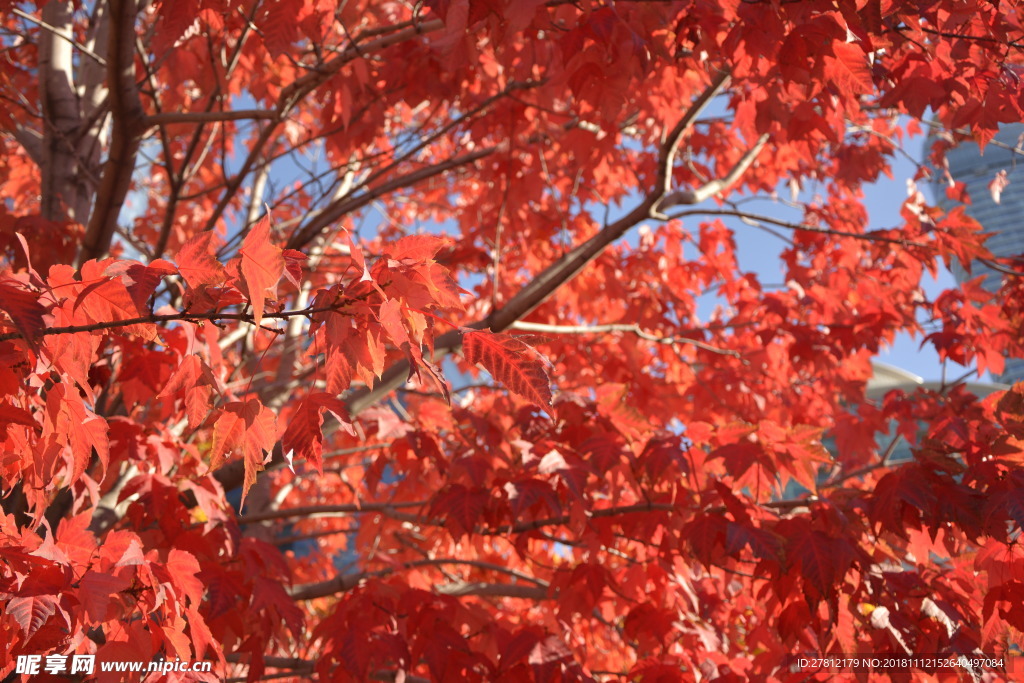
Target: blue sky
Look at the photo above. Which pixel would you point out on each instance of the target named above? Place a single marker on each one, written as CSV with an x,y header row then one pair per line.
x,y
883,200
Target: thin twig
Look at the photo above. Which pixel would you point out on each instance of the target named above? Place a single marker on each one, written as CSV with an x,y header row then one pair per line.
x,y
618,327
212,316
756,218
60,34
663,184
315,511
300,88
172,117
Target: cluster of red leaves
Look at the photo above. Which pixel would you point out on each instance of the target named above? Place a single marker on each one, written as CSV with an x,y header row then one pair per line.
x,y
62,586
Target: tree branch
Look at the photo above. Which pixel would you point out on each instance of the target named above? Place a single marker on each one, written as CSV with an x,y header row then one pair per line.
x,y
618,327
61,181
714,187
294,93
307,233
671,146
497,590
128,125
273,677
212,316
59,33
558,273
522,527
315,511
753,219
346,582
539,289
172,117
341,207
276,662
313,535
31,141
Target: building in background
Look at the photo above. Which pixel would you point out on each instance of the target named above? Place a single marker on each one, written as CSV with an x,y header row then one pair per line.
x,y
885,378
1006,218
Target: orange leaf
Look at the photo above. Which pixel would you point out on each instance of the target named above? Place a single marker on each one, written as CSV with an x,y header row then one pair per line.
x,y
512,362
262,266
849,69
195,378
461,508
32,612
247,427
107,300
303,436
98,593
24,308
71,425
196,261
183,568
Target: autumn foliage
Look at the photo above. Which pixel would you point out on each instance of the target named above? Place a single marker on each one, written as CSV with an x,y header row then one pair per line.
x,y
407,341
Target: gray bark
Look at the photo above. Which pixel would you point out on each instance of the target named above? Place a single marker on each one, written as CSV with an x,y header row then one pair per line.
x,y
65,194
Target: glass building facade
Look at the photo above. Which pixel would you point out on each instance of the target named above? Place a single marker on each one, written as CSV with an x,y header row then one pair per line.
x,y
976,170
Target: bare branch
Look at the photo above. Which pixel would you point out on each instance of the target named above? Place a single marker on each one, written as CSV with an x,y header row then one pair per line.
x,y
31,141
671,146
318,221
618,327
538,588
59,33
522,527
319,511
496,590
93,94
301,87
184,117
128,126
62,181
212,316
714,187
276,662
989,263
313,535
342,207
754,219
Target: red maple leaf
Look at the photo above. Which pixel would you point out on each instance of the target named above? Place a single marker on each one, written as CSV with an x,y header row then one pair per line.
x,y
197,263
262,265
303,436
512,362
194,378
246,427
24,308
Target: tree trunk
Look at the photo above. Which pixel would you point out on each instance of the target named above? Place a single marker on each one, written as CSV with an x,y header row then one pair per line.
x,y
65,193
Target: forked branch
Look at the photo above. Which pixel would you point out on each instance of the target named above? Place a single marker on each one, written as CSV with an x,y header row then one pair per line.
x,y
302,87
571,264
347,205
619,327
553,277
710,189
